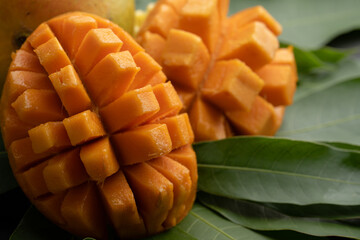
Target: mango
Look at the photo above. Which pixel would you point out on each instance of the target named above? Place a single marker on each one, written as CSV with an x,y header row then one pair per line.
x,y
229,71
94,133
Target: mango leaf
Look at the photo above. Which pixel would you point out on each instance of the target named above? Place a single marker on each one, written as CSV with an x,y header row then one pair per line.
x,y
323,59
345,146
324,211
306,23
279,171
325,114
202,223
34,226
174,233
7,180
259,217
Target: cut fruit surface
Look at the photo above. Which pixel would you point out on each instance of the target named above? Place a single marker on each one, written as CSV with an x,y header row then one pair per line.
x,y
220,64
84,111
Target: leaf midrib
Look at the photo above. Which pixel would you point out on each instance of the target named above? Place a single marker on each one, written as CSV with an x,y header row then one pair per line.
x,y
211,225
259,170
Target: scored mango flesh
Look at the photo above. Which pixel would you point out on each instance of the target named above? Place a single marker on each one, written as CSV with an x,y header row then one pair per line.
x,y
230,73
93,133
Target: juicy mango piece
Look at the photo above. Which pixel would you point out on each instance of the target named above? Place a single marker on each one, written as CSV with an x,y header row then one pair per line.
x,y
219,65
87,118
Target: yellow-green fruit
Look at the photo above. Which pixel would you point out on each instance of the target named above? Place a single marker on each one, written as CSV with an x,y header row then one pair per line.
x,y
18,18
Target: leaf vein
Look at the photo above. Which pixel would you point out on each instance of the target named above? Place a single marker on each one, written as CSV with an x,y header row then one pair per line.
x,y
258,170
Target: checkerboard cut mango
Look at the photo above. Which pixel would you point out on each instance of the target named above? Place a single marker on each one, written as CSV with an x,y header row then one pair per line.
x,y
230,73
93,133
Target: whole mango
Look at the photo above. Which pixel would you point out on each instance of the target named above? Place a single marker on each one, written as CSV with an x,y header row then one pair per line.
x,y
93,133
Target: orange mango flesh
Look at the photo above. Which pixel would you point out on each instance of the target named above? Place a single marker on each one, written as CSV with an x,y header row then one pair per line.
x,y
83,212
257,13
76,28
169,102
22,156
143,59
83,112
19,81
112,71
260,119
26,61
52,56
142,143
207,122
139,104
70,89
50,206
185,58
83,127
154,45
41,36
156,191
15,128
179,129
50,136
219,64
179,176
64,171
101,41
99,159
120,204
36,106
232,85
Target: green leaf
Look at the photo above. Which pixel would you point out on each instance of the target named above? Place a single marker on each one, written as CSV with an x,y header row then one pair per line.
x,y
324,59
345,70
279,171
287,235
324,113
331,55
35,226
7,180
260,217
307,23
202,223
325,211
142,4
174,233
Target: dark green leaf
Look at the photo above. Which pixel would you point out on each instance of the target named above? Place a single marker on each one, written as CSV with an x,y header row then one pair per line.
x,y
174,233
325,211
323,113
287,235
7,180
35,226
331,55
307,23
321,60
279,171
202,223
306,60
260,217
345,146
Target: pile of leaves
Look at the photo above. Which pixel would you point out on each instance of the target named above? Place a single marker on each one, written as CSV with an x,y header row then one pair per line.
x,y
302,184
